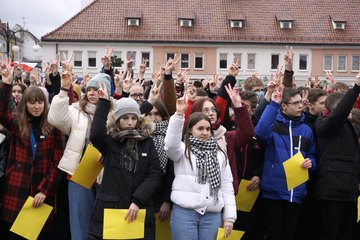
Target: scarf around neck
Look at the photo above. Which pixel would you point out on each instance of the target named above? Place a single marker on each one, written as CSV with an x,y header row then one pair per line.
x,y
159,141
129,155
207,164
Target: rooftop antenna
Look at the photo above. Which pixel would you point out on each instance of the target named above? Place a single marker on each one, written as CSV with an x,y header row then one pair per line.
x,y
24,22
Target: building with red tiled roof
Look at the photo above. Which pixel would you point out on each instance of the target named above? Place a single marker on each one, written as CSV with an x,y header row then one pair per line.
x,y
324,34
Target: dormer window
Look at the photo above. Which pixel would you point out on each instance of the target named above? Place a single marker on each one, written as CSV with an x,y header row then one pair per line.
x,y
285,20
186,22
338,25
133,21
286,24
236,23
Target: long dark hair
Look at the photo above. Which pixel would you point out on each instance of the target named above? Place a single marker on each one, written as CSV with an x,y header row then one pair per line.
x,y
23,117
193,119
160,106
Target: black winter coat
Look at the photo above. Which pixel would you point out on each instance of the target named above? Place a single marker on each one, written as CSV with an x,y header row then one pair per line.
x,y
339,161
120,188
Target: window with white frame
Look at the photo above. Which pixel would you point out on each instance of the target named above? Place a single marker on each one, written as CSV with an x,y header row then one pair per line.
x,y
132,55
341,66
184,60
238,56
186,22
338,25
328,62
77,59
274,61
116,56
236,23
223,60
286,24
251,61
91,58
199,61
303,58
355,63
133,21
146,56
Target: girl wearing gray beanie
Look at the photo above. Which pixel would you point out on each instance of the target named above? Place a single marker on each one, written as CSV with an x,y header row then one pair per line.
x,y
131,164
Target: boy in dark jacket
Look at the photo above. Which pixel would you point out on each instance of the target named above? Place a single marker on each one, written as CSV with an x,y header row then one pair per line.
x,y
337,187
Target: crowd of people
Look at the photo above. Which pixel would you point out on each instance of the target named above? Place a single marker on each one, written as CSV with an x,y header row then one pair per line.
x,y
180,148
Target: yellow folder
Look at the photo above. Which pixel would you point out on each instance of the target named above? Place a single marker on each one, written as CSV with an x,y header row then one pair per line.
x,y
245,199
358,209
30,221
89,168
115,226
162,228
235,235
295,174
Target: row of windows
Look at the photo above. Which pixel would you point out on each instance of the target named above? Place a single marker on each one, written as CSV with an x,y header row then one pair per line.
x,y
223,60
342,63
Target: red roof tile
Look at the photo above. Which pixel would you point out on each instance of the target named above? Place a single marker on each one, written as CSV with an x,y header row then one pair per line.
x,y
105,20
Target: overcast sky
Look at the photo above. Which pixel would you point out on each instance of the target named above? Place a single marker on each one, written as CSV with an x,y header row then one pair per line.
x,y
41,16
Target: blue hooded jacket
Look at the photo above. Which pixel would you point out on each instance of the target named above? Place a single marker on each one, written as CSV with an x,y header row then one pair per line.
x,y
282,139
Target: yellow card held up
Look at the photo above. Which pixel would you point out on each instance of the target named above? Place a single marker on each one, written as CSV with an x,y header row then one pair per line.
x,y
115,226
162,228
89,168
245,199
358,209
30,221
295,174
235,234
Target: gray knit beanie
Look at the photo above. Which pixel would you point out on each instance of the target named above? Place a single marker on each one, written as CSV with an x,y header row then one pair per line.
x,y
126,106
99,78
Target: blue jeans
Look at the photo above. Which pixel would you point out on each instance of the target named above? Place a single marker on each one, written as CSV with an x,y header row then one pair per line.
x,y
81,202
188,224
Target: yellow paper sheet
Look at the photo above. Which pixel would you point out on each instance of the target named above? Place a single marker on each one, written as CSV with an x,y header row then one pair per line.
x,y
115,226
30,221
89,168
162,228
358,209
245,199
235,235
295,174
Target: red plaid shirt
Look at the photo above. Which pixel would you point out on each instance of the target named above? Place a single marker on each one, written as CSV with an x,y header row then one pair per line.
x,y
23,177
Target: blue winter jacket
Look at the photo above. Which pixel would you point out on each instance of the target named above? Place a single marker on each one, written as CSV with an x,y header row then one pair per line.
x,y
281,136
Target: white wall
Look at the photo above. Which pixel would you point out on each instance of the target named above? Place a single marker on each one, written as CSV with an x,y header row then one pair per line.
x,y
49,53
263,60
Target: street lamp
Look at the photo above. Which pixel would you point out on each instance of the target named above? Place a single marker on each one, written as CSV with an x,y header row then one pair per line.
x,y
9,34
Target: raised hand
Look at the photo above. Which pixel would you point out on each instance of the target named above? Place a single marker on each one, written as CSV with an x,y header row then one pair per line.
x,y
66,64
234,95
106,59
213,83
234,67
127,83
180,106
155,77
277,94
129,62
142,67
329,77
182,75
154,93
171,64
190,92
279,73
7,71
119,79
305,96
102,91
288,57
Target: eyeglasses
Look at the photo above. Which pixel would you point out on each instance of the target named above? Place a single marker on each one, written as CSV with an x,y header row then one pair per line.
x,y
297,103
207,110
135,96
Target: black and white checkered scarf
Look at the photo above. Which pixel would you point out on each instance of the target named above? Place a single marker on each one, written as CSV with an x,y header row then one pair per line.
x,y
159,137
207,163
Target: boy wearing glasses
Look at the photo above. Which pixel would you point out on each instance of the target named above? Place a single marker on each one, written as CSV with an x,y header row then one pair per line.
x,y
283,132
